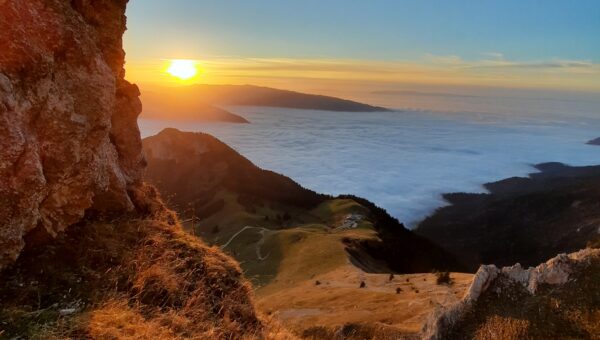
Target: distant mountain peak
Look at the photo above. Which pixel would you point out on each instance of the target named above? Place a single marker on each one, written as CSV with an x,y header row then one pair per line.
x,y
204,102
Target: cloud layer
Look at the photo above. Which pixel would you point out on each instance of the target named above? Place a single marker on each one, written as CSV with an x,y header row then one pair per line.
x,y
403,161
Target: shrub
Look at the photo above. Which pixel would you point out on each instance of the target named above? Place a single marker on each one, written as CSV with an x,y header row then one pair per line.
x,y
443,278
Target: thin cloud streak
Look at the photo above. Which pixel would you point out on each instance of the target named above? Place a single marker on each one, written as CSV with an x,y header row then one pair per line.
x,y
495,70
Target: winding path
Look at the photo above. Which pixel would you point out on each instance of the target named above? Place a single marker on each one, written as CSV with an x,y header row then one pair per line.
x,y
258,244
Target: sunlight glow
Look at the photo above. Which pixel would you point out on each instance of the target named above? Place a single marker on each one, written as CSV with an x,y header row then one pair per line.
x,y
182,69
346,77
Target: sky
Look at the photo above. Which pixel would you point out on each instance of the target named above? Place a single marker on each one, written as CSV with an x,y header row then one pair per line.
x,y
375,45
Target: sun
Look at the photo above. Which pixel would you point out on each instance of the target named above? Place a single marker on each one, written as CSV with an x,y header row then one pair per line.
x,y
182,69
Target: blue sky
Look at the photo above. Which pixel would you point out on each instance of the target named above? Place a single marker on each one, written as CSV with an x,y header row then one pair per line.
x,y
380,29
541,35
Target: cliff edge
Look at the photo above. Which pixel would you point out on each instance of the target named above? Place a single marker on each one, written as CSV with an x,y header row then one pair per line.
x,y
69,138
557,299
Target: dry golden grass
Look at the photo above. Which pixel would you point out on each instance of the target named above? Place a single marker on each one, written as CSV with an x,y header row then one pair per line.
x,y
129,279
507,328
338,303
117,320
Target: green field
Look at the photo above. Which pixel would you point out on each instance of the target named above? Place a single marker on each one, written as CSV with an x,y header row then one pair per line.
x,y
280,245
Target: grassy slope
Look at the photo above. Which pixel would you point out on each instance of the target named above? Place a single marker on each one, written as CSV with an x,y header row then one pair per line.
x,y
307,241
309,247
338,301
137,278
285,237
202,176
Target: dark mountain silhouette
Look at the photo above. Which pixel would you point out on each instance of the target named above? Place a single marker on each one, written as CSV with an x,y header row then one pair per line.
x,y
524,220
173,105
250,95
189,168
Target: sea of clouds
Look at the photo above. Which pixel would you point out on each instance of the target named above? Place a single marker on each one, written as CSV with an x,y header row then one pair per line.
x,y
403,161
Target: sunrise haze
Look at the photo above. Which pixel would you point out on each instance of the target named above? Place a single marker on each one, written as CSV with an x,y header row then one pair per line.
x,y
350,51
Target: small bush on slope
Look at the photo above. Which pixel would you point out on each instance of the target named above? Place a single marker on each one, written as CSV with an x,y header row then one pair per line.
x,y
443,278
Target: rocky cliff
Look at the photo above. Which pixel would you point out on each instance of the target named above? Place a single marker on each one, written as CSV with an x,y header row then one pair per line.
x,y
557,299
69,141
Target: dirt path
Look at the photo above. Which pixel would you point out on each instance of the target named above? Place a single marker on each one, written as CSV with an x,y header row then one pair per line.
x,y
259,244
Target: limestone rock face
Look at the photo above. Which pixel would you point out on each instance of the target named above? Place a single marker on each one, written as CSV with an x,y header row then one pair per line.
x,y
482,280
69,141
556,271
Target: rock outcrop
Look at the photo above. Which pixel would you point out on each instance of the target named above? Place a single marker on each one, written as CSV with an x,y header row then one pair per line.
x,y
491,284
69,141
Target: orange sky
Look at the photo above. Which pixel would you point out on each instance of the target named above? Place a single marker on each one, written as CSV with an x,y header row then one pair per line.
x,y
340,47
338,75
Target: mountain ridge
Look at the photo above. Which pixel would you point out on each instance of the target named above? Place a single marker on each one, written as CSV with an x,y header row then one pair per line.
x,y
205,102
177,158
163,106
522,219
